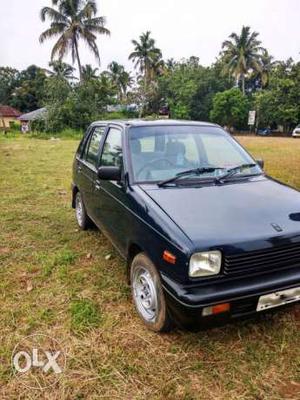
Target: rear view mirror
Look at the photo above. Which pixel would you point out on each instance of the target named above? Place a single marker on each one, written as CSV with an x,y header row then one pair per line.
x,y
261,163
109,173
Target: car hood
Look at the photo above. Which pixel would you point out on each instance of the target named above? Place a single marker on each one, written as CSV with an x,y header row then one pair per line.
x,y
253,211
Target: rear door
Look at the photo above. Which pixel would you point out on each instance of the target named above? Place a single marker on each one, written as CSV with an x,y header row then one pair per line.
x,y
88,168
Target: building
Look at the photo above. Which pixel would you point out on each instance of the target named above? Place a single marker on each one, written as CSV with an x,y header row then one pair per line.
x,y
8,115
27,119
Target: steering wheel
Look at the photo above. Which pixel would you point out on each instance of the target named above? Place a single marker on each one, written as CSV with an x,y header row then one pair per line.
x,y
154,162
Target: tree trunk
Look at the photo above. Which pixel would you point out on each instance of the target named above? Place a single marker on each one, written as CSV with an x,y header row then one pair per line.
x,y
78,60
243,83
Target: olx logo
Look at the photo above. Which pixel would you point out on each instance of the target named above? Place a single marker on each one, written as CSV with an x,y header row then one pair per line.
x,y
32,360
38,361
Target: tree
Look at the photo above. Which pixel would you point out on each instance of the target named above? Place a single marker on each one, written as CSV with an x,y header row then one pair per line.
x,y
241,53
120,78
61,70
88,72
188,88
28,93
267,64
146,56
9,79
71,21
280,103
230,108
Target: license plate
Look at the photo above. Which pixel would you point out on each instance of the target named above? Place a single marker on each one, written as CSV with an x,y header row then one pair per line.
x,y
278,299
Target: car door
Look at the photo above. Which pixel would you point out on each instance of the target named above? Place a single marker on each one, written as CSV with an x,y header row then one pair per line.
x,y
111,214
88,168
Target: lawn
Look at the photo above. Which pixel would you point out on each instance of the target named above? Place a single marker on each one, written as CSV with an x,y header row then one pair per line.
x,y
71,285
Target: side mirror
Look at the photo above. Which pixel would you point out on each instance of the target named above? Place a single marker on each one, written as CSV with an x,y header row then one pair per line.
x,y
261,163
109,173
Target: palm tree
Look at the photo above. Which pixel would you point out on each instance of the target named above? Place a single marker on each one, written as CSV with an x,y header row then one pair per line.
x,y
121,79
267,64
242,53
88,72
60,70
146,56
71,21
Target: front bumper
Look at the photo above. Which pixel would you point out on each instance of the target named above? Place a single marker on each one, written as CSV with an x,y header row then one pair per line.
x,y
186,302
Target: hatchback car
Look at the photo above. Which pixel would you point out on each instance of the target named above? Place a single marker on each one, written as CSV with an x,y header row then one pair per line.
x,y
296,132
206,234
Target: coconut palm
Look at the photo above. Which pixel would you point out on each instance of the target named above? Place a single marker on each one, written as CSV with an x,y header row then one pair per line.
x,y
146,56
241,54
72,20
88,72
121,79
267,64
61,70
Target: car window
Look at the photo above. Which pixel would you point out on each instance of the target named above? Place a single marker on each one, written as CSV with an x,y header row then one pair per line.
x,y
112,155
221,151
93,145
162,152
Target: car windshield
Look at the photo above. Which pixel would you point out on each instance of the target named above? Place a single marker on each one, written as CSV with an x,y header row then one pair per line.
x,y
161,152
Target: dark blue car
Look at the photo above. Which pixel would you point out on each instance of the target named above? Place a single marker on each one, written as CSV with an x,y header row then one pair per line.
x,y
206,234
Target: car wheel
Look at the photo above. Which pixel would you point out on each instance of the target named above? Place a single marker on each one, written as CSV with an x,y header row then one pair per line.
x,y
148,295
81,216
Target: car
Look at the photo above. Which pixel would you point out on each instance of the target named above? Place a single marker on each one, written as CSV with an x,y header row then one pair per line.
x,y
207,236
264,132
296,132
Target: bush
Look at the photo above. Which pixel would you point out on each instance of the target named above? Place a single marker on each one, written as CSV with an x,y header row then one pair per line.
x,y
230,108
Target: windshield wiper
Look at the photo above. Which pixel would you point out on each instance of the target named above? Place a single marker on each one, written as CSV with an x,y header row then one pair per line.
x,y
232,171
194,171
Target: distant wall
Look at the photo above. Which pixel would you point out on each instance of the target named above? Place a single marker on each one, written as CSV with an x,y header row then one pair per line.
x,y
7,120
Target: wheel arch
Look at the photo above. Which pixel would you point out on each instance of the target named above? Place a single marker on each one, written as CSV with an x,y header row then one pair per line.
x,y
75,190
133,250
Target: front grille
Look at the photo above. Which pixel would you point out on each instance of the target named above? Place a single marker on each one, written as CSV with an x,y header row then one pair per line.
x,y
263,261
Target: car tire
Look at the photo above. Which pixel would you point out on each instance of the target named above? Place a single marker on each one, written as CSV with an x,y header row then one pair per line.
x,y
148,295
82,218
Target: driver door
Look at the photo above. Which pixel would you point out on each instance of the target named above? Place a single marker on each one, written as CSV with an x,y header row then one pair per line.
x,y
110,213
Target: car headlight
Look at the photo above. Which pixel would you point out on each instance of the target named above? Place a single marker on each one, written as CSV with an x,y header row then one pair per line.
x,y
205,264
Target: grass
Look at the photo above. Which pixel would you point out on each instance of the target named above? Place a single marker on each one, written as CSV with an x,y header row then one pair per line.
x,y
57,280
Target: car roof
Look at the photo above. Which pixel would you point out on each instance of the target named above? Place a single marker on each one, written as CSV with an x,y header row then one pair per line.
x,y
158,122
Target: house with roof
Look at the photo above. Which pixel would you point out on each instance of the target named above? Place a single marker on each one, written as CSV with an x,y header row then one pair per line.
x,y
28,118
8,115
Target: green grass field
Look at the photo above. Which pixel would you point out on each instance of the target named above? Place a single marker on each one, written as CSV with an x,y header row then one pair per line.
x,y
71,285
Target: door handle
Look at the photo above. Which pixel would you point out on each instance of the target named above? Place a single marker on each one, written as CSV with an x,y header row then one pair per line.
x,y
79,168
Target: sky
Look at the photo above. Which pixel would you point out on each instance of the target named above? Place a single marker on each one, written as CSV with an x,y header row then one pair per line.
x,y
181,29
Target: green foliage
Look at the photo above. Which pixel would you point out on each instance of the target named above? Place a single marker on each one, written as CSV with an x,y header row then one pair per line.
x,y
230,108
121,79
280,103
84,314
242,53
72,20
146,55
77,105
61,70
22,90
8,82
188,88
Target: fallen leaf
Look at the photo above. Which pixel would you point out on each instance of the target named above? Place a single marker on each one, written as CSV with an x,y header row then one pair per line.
x,y
29,286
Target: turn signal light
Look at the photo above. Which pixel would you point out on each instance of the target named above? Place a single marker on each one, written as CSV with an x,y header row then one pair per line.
x,y
217,309
169,257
